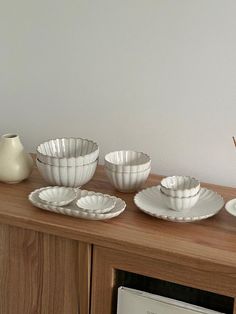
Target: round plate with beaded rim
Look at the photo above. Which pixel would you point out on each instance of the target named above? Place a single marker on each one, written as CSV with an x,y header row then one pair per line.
x,y
150,202
73,210
230,207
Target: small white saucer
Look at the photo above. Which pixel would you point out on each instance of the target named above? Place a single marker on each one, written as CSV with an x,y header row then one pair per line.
x,y
58,195
96,203
150,201
230,206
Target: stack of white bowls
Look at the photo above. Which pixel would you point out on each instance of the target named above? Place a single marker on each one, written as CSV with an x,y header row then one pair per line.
x,y
127,170
67,161
180,192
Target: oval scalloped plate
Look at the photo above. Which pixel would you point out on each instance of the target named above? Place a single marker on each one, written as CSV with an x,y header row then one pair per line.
x,y
74,211
150,202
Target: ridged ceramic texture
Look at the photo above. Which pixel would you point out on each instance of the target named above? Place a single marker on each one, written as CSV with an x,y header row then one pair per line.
x,y
68,152
73,210
180,186
127,161
58,195
127,181
98,202
150,202
180,203
67,176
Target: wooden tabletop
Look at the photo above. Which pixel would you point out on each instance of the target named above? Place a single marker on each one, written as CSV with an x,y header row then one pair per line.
x,y
208,241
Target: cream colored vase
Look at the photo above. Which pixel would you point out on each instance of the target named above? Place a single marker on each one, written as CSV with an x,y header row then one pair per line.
x,y
15,164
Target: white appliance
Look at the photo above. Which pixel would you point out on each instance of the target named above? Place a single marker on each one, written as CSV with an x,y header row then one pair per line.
x,y
132,301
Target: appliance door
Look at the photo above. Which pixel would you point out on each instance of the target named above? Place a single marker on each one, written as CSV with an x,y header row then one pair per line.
x,y
132,301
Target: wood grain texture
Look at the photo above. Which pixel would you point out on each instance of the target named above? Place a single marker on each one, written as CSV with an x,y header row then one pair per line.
x,y
84,265
107,261
39,273
206,243
102,283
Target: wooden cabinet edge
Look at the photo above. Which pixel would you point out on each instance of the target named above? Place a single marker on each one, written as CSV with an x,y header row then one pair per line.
x,y
182,259
43,273
85,264
106,261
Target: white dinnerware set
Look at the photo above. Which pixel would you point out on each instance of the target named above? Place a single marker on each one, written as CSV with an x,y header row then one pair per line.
x,y
69,163
77,203
179,198
72,162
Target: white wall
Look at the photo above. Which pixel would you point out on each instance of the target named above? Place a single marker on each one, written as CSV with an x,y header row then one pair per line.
x,y
152,75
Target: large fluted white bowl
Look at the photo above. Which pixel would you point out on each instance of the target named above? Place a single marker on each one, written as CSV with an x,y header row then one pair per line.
x,y
127,181
68,152
67,176
127,161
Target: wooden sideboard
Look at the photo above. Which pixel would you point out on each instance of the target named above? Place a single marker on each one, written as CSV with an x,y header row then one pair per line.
x,y
55,264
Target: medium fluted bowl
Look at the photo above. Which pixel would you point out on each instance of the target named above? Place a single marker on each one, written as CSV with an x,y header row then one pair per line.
x,y
68,152
71,176
127,181
127,161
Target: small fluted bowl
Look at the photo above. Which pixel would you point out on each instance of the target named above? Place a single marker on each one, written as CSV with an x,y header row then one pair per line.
x,y
71,176
180,186
97,202
127,181
180,203
127,161
58,195
68,152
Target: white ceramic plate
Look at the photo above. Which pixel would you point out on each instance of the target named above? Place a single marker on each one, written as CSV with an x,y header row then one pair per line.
x,y
58,195
73,210
150,202
96,203
231,207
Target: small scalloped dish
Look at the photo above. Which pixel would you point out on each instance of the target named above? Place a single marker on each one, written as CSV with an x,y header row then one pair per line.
x,y
97,203
58,195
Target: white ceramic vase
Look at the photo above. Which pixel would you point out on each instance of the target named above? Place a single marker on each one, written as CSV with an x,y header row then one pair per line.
x,y
15,164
